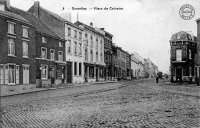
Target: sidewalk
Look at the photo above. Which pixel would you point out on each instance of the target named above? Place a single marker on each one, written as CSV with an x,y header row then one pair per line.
x,y
4,94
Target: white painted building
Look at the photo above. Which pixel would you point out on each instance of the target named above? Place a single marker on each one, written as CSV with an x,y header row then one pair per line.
x,y
74,53
93,50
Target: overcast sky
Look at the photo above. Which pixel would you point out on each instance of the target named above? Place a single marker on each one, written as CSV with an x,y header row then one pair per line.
x,y
143,26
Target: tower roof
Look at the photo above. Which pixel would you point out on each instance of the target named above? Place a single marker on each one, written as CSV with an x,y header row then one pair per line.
x,y
183,36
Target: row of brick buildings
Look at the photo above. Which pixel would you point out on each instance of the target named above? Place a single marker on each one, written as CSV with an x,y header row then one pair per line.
x,y
40,48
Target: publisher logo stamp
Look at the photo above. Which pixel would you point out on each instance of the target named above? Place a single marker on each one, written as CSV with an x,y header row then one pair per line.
x,y
187,12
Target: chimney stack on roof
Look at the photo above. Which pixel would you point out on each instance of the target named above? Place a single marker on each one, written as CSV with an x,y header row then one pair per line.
x,y
91,24
36,8
102,29
6,4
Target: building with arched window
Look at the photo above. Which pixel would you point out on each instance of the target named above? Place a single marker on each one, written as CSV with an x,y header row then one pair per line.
x,y
183,50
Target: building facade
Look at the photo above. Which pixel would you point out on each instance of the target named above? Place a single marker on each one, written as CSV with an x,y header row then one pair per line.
x,y
50,52
93,47
73,36
108,72
197,59
17,51
115,62
183,50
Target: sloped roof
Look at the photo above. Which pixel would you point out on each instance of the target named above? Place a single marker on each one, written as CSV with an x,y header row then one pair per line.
x,y
40,26
60,18
13,16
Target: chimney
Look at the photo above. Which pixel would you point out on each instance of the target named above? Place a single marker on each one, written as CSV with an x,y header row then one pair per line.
x,y
6,3
91,24
102,29
36,8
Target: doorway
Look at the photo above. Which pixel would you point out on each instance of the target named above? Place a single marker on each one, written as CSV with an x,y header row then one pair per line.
x,y
69,72
179,74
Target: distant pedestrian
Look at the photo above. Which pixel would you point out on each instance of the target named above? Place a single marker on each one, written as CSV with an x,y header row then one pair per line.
x,y
157,79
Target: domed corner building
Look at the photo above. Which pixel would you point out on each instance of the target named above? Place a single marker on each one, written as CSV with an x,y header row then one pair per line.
x,y
182,61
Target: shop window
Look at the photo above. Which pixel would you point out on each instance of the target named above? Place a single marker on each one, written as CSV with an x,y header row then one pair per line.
x,y
91,71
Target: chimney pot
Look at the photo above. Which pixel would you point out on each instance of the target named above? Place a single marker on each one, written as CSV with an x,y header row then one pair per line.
x,y
91,24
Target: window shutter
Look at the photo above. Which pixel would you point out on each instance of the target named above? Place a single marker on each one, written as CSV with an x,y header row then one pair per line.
x,y
17,74
6,74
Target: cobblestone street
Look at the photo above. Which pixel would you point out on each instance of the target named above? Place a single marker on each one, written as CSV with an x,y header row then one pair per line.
x,y
130,104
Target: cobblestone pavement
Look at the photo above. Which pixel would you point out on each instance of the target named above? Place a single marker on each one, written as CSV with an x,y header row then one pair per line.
x,y
141,104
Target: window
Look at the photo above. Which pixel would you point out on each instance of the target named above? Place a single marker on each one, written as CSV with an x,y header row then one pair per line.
x,y
97,43
80,69
97,57
86,54
91,55
25,49
91,38
75,47
25,32
52,54
80,35
44,71
11,74
75,34
75,68
69,46
101,45
69,31
44,53
80,49
60,44
11,28
101,56
190,54
44,39
60,56
11,46
178,55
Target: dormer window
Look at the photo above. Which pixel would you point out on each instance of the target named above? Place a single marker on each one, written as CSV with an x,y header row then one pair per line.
x,y
2,7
